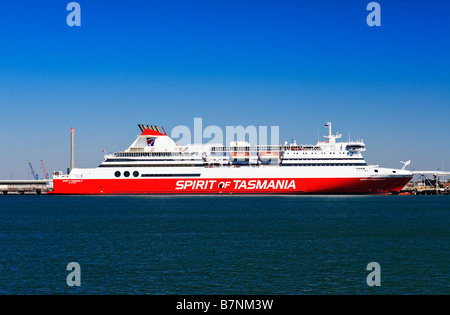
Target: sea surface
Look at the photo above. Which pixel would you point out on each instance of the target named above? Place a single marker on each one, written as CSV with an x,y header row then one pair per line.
x,y
282,245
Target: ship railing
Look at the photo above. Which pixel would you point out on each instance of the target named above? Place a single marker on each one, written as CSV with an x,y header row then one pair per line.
x,y
265,148
197,150
60,175
155,154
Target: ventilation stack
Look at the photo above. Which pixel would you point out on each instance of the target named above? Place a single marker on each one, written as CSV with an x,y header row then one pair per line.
x,y
72,149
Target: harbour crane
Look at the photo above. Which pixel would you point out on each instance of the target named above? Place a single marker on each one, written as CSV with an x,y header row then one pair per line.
x,y
35,176
43,168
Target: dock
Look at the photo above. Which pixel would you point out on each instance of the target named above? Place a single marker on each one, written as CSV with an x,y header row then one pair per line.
x,y
26,187
427,186
426,190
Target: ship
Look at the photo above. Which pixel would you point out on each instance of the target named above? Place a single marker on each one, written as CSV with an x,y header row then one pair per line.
x,y
155,164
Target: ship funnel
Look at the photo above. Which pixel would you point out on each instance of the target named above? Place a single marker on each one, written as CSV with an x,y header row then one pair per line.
x,y
152,127
72,149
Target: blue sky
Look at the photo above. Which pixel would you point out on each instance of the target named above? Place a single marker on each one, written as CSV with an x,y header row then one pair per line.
x,y
294,64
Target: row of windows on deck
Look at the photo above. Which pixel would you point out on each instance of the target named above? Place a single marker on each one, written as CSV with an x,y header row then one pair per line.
x,y
216,164
266,148
142,154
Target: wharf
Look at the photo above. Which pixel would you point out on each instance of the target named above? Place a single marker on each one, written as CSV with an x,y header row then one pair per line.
x,y
427,186
25,187
426,190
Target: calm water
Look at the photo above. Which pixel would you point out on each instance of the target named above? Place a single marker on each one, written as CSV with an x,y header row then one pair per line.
x,y
225,244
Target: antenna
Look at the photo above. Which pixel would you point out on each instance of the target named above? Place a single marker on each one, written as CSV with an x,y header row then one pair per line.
x,y
72,149
331,138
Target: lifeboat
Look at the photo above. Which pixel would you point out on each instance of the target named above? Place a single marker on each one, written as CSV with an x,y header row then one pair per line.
x,y
269,154
240,154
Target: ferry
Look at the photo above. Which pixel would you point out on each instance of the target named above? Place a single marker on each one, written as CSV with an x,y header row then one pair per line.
x,y
155,164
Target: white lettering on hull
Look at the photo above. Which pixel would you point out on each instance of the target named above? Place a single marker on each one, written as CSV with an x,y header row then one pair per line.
x,y
236,184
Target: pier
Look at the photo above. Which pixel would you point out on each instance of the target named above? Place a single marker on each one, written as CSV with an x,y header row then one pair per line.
x,y
25,187
426,190
428,186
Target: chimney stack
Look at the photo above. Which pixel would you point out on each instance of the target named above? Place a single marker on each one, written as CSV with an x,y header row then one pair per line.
x,y
72,149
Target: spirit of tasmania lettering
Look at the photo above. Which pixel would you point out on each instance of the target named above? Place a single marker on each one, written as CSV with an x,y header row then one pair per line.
x,y
237,184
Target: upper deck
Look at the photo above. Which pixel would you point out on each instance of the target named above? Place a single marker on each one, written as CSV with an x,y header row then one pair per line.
x,y
154,148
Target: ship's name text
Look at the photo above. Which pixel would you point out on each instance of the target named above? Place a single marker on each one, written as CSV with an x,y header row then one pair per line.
x,y
237,184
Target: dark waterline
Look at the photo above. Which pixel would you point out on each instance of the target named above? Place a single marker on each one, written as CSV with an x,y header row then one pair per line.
x,y
225,244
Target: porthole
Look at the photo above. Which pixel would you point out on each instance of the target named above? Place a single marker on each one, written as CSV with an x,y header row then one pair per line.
x,y
136,174
117,174
126,174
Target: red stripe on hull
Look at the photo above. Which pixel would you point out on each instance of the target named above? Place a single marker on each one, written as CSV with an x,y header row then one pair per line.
x,y
230,186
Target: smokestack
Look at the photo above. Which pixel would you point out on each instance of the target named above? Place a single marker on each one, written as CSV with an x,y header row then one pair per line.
x,y
72,149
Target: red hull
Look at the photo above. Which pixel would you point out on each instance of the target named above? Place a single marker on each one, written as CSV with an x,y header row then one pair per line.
x,y
231,186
